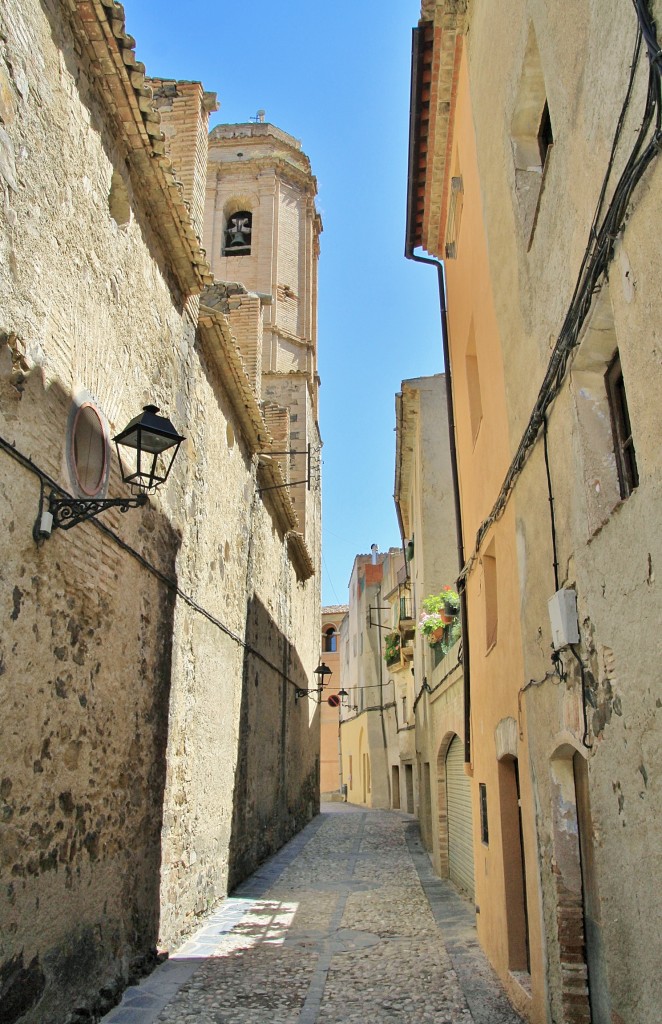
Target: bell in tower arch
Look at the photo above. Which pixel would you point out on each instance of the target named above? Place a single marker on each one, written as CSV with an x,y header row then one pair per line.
x,y
238,234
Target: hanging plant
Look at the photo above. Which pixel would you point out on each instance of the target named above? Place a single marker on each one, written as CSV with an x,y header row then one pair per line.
x,y
440,620
391,648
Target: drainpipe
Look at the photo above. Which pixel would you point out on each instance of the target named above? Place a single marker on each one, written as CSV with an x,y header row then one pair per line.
x,y
411,242
410,255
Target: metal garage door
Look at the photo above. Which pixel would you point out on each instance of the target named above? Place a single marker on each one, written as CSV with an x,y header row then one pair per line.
x,y
458,803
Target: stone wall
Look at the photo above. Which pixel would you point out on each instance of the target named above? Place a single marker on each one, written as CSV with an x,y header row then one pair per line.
x,y
143,655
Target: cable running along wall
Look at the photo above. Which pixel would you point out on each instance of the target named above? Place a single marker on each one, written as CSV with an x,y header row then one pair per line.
x,y
167,581
597,256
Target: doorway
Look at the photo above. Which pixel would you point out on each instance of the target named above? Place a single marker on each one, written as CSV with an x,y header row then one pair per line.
x,y
460,819
409,788
514,866
395,787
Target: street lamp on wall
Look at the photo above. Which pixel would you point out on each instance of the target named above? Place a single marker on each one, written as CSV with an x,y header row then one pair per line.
x,y
321,672
146,450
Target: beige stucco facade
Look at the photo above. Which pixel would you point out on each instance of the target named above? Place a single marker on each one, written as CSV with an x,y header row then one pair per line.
x,y
424,500
152,750
369,719
524,110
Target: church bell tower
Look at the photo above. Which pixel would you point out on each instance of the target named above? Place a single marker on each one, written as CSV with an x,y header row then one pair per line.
x,y
262,232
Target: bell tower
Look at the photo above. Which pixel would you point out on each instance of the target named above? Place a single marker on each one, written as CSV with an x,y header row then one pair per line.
x,y
262,232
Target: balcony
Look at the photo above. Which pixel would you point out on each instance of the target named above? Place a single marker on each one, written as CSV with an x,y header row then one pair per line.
x,y
407,653
406,619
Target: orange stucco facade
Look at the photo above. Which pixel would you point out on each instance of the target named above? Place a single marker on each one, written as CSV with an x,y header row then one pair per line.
x,y
330,781
504,838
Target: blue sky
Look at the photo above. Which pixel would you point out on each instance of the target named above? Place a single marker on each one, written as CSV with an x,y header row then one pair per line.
x,y
336,76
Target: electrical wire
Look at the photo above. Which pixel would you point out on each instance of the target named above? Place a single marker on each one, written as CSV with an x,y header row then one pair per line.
x,y
582,670
550,494
596,259
167,581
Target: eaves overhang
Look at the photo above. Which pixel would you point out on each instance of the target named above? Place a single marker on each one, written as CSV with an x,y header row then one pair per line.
x,y
300,555
436,51
276,493
99,29
218,342
276,496
422,45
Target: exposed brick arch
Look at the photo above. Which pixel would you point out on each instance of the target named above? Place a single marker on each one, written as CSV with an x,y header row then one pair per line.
x,y
442,806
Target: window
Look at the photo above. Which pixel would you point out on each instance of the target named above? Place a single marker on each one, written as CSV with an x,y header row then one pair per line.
x,y
626,463
330,639
491,609
238,234
473,385
88,453
595,383
531,137
545,137
455,203
484,828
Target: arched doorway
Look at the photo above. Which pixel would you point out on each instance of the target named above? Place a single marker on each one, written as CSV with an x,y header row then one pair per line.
x,y
459,818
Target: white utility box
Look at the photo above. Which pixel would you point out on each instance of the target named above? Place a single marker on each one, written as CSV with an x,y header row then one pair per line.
x,y
563,618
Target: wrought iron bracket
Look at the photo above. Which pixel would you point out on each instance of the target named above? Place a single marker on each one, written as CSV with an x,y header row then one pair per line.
x,y
292,483
378,608
63,513
301,692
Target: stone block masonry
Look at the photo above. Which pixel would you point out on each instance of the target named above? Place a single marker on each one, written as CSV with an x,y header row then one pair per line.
x,y
148,660
346,924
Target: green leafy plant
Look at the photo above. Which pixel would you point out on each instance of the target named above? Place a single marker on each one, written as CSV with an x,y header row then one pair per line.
x,y
440,619
391,648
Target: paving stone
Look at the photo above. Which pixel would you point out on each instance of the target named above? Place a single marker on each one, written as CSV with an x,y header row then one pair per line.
x,y
346,924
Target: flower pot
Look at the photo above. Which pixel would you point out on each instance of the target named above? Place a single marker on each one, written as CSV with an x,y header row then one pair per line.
x,y
445,616
437,634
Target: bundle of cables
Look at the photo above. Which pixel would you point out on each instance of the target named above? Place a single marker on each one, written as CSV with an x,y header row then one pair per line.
x,y
604,231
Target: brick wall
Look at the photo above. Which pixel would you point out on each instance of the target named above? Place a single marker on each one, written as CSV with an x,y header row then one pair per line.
x,y
184,108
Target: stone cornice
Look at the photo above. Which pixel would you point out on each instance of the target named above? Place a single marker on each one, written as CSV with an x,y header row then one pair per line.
x,y
99,28
279,166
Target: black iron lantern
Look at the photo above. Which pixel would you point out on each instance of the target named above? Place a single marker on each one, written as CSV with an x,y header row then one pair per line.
x,y
322,671
153,444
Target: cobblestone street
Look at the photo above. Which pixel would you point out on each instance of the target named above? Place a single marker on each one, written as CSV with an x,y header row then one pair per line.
x,y
346,924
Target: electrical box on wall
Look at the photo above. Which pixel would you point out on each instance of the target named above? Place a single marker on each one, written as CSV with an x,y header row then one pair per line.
x,y
563,618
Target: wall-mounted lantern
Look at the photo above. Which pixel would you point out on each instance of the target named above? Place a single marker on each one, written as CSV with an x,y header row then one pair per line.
x,y
148,446
321,672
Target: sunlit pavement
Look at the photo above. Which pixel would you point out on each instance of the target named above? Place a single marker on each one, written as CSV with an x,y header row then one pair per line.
x,y
347,923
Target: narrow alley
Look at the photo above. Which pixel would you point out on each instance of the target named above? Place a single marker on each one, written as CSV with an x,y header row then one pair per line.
x,y
346,923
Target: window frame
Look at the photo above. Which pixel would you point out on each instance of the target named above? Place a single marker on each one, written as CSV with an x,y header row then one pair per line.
x,y
484,822
621,428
